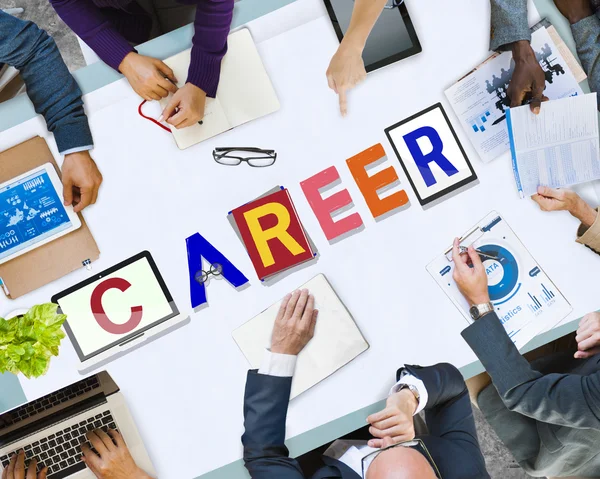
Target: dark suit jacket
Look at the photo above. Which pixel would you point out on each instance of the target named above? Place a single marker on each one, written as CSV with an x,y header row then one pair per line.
x,y
547,413
452,439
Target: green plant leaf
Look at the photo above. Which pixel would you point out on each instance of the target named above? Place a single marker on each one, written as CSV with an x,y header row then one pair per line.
x,y
27,343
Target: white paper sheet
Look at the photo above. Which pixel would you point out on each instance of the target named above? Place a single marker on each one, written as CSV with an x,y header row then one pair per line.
x,y
558,147
336,342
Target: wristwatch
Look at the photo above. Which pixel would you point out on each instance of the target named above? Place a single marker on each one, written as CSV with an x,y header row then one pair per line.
x,y
478,310
412,389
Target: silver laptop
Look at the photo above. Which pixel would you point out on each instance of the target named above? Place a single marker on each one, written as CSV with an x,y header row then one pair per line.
x,y
52,428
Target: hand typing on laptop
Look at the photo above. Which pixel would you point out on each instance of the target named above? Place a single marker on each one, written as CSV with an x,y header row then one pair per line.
x,y
16,468
112,459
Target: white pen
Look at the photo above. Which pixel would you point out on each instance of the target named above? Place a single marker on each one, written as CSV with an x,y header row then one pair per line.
x,y
12,11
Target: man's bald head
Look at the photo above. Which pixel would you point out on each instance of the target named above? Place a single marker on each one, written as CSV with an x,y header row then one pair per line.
x,y
400,463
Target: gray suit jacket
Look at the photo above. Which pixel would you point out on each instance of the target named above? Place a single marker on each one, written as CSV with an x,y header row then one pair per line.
x,y
550,422
509,24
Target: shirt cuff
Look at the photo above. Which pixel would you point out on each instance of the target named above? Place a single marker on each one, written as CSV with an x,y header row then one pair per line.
x,y
409,379
77,150
275,364
590,235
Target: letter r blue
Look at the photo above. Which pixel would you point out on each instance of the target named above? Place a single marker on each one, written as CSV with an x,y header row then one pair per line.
x,y
422,161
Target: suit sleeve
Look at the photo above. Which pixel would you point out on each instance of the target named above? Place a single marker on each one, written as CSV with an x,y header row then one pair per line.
x,y
590,237
563,399
51,88
586,33
265,410
509,23
448,409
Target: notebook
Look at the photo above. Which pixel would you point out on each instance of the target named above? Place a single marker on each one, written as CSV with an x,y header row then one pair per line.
x,y
245,91
272,249
336,342
559,147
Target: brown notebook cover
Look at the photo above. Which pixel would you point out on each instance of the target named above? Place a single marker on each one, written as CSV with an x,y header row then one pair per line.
x,y
55,259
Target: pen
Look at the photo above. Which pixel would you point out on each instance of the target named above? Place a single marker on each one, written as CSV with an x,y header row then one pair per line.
x,y
13,11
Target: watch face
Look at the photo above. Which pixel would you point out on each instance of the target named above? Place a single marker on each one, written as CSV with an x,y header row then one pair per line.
x,y
474,312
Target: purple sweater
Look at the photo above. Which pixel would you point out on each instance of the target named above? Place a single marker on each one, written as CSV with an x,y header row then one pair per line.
x,y
108,27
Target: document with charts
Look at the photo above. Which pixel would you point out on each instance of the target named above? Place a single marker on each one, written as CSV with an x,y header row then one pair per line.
x,y
525,299
556,148
479,99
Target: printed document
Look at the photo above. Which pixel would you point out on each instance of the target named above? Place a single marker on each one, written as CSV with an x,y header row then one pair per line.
x,y
558,147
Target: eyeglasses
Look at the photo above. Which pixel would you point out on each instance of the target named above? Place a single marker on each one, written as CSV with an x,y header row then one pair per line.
x,y
202,276
417,444
256,157
392,4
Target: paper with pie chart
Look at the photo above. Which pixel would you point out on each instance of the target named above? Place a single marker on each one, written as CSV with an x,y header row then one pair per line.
x,y
525,299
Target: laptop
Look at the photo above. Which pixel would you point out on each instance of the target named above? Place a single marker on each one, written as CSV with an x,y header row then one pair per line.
x,y
118,310
53,427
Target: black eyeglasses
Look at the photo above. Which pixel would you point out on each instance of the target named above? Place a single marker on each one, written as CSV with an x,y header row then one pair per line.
x,y
417,444
202,276
256,157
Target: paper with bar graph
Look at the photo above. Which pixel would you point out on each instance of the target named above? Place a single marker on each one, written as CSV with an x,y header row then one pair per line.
x,y
525,299
480,98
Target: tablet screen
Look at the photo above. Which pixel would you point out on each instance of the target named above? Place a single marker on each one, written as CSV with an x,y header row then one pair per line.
x,y
30,211
391,39
114,308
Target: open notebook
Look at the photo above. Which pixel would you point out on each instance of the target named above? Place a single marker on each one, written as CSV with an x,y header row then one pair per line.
x,y
336,342
245,91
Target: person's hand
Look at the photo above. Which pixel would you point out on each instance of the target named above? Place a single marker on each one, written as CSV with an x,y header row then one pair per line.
x,y
471,279
527,78
395,421
588,336
113,460
346,70
16,468
553,199
81,180
149,77
186,107
295,323
574,10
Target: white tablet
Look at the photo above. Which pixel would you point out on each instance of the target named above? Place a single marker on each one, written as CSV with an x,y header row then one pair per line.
x,y
32,212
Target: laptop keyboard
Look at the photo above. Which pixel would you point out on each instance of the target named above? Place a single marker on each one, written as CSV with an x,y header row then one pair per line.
x,y
61,451
49,401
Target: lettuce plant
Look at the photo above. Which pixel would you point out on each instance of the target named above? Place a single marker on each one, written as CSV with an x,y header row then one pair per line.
x,y
28,342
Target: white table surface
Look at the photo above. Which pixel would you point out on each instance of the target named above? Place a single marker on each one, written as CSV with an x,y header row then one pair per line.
x,y
185,390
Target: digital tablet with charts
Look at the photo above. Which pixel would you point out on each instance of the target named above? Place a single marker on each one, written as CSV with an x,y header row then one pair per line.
x,y
525,299
32,212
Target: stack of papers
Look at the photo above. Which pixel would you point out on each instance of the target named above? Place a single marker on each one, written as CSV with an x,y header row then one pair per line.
x,y
556,148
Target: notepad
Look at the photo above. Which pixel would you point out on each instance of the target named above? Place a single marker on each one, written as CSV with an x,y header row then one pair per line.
x,y
245,91
556,148
336,342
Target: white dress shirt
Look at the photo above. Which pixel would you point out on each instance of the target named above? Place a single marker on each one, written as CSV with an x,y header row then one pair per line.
x,y
283,365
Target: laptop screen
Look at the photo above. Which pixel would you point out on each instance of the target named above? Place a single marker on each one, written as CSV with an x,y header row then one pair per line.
x,y
118,305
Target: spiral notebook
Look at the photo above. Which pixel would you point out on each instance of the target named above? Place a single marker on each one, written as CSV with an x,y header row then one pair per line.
x,y
336,342
245,91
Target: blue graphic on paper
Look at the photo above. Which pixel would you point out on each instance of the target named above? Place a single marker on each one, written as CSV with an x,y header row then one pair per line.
x,y
30,211
505,268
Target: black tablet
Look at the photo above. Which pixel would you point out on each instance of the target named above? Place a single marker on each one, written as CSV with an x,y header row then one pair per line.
x,y
393,37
